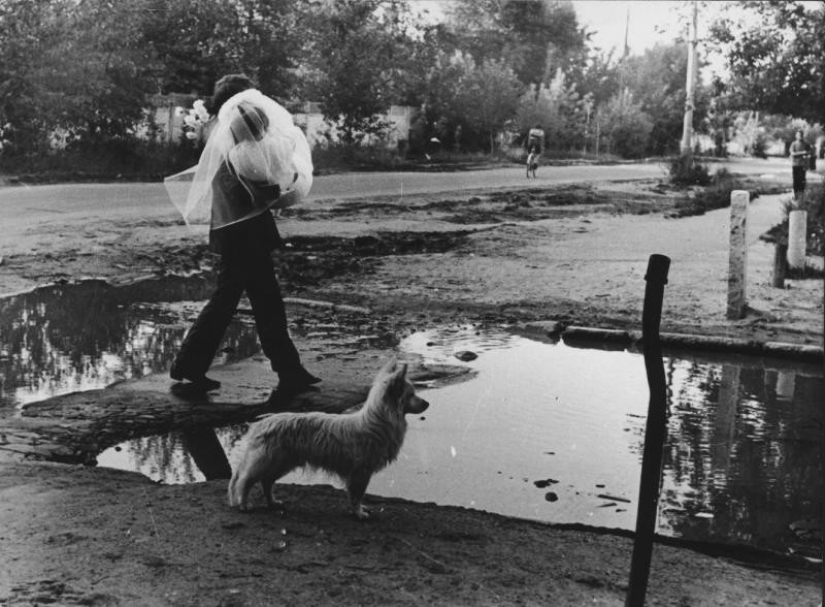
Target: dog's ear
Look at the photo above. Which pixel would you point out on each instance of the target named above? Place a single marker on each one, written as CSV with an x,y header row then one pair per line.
x,y
398,379
389,368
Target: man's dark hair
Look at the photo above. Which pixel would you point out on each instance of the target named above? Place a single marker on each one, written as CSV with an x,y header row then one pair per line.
x,y
229,86
257,127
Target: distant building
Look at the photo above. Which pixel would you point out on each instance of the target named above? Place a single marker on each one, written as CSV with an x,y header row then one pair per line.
x,y
170,110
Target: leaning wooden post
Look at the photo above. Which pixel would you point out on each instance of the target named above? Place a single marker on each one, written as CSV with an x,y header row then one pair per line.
x,y
780,264
737,269
655,431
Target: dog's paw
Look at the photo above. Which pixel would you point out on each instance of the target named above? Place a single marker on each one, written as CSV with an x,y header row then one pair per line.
x,y
361,512
276,504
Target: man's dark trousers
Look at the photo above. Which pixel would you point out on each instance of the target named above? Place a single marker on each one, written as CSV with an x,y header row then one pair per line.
x,y
245,266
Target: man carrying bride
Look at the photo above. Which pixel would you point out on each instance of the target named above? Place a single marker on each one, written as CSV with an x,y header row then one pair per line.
x,y
255,161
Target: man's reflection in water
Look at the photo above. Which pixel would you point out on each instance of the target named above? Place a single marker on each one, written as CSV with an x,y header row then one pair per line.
x,y
203,445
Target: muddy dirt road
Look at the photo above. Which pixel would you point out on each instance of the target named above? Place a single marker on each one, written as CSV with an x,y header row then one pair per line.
x,y
551,248
25,206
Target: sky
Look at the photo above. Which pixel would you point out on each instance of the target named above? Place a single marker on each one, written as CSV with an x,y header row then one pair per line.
x,y
650,21
607,19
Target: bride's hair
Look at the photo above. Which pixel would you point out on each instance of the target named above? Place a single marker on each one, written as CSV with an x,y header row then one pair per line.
x,y
227,87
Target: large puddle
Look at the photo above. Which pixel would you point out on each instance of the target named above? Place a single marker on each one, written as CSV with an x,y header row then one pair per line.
x,y
62,339
543,431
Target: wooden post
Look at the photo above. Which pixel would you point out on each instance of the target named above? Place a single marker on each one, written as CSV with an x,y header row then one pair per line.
x,y
724,426
780,265
737,269
797,238
655,431
687,126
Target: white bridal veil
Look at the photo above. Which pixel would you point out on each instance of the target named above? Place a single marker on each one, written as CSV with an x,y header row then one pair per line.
x,y
255,139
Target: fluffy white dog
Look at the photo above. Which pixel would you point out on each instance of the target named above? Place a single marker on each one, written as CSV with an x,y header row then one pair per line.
x,y
354,446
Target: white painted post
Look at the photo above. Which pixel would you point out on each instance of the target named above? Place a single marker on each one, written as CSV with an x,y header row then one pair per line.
x,y
797,238
737,268
785,386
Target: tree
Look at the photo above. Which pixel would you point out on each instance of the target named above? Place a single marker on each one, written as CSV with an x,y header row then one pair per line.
x,y
103,81
488,96
30,31
776,57
596,76
542,37
657,81
71,66
348,65
625,126
559,111
271,43
533,37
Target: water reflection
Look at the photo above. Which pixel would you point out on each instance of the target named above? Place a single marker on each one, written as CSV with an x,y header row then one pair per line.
x,y
742,463
192,455
554,433
545,431
203,446
66,338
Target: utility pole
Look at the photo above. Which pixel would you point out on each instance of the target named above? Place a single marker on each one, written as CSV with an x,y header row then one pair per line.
x,y
623,61
687,130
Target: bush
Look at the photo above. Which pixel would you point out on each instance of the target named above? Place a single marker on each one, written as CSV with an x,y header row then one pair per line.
x,y
130,159
760,146
685,171
336,156
625,127
715,196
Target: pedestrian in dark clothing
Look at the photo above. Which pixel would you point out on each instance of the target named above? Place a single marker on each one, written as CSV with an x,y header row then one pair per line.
x,y
799,152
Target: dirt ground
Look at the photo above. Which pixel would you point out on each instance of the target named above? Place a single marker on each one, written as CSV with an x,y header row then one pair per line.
x,y
575,255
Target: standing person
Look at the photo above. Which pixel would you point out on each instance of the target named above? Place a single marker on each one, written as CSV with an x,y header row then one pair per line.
x,y
799,152
255,160
532,163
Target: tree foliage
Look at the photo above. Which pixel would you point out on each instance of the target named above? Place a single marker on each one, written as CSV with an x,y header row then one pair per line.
x,y
624,126
776,56
76,67
488,94
88,69
348,64
534,37
28,28
470,101
195,42
557,109
657,80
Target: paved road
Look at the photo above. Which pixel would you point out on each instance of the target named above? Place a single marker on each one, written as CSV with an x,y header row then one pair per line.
x,y
27,206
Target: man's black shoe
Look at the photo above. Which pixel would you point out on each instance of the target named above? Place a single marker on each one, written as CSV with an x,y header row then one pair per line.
x,y
199,380
296,381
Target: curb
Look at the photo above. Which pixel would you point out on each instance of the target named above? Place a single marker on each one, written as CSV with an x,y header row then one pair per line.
x,y
576,335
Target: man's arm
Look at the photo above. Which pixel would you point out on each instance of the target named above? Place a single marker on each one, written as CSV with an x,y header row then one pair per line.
x,y
802,152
